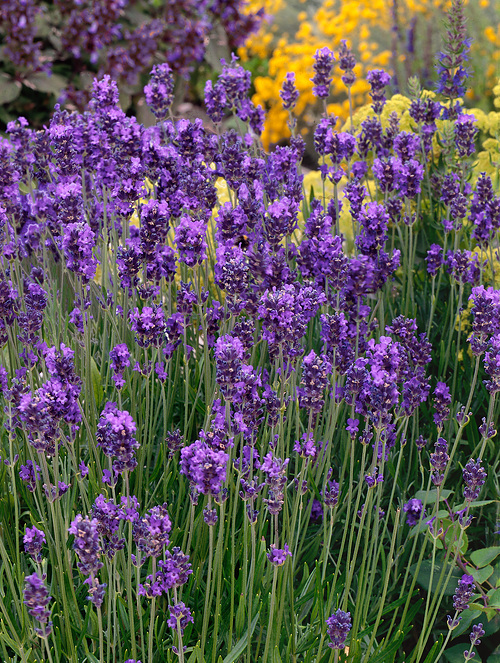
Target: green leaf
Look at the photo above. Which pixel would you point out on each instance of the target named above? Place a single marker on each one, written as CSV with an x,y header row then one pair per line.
x,y
494,599
240,616
241,644
430,496
96,381
42,82
431,656
480,575
424,576
485,556
9,89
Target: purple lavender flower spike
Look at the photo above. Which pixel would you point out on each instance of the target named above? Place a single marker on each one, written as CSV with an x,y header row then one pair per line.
x,y
441,400
414,511
378,79
180,616
452,60
30,474
315,372
115,436
77,244
36,598
347,62
463,593
439,460
33,540
434,259
289,93
492,365
159,92
151,531
323,63
204,467
475,639
339,625
474,477
86,544
278,556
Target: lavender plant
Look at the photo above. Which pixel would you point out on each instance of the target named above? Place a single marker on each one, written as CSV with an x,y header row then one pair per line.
x,y
243,420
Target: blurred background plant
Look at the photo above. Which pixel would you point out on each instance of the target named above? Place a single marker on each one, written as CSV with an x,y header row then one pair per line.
x,y
52,50
401,36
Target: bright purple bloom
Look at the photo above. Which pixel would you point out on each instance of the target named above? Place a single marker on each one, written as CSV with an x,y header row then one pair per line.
x,y
339,625
323,63
315,378
115,436
465,135
159,92
289,93
278,556
414,511
77,244
33,540
439,460
149,325
463,593
492,365
441,400
30,474
378,79
190,239
434,259
180,616
204,467
151,531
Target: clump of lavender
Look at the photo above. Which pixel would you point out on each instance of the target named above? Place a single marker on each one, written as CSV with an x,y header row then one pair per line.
x,y
36,598
414,511
115,436
159,92
474,476
339,625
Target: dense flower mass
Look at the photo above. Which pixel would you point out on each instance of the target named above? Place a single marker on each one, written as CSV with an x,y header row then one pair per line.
x,y
215,362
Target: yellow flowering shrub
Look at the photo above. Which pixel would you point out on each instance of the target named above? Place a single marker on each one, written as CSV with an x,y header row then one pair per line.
x,y
366,26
